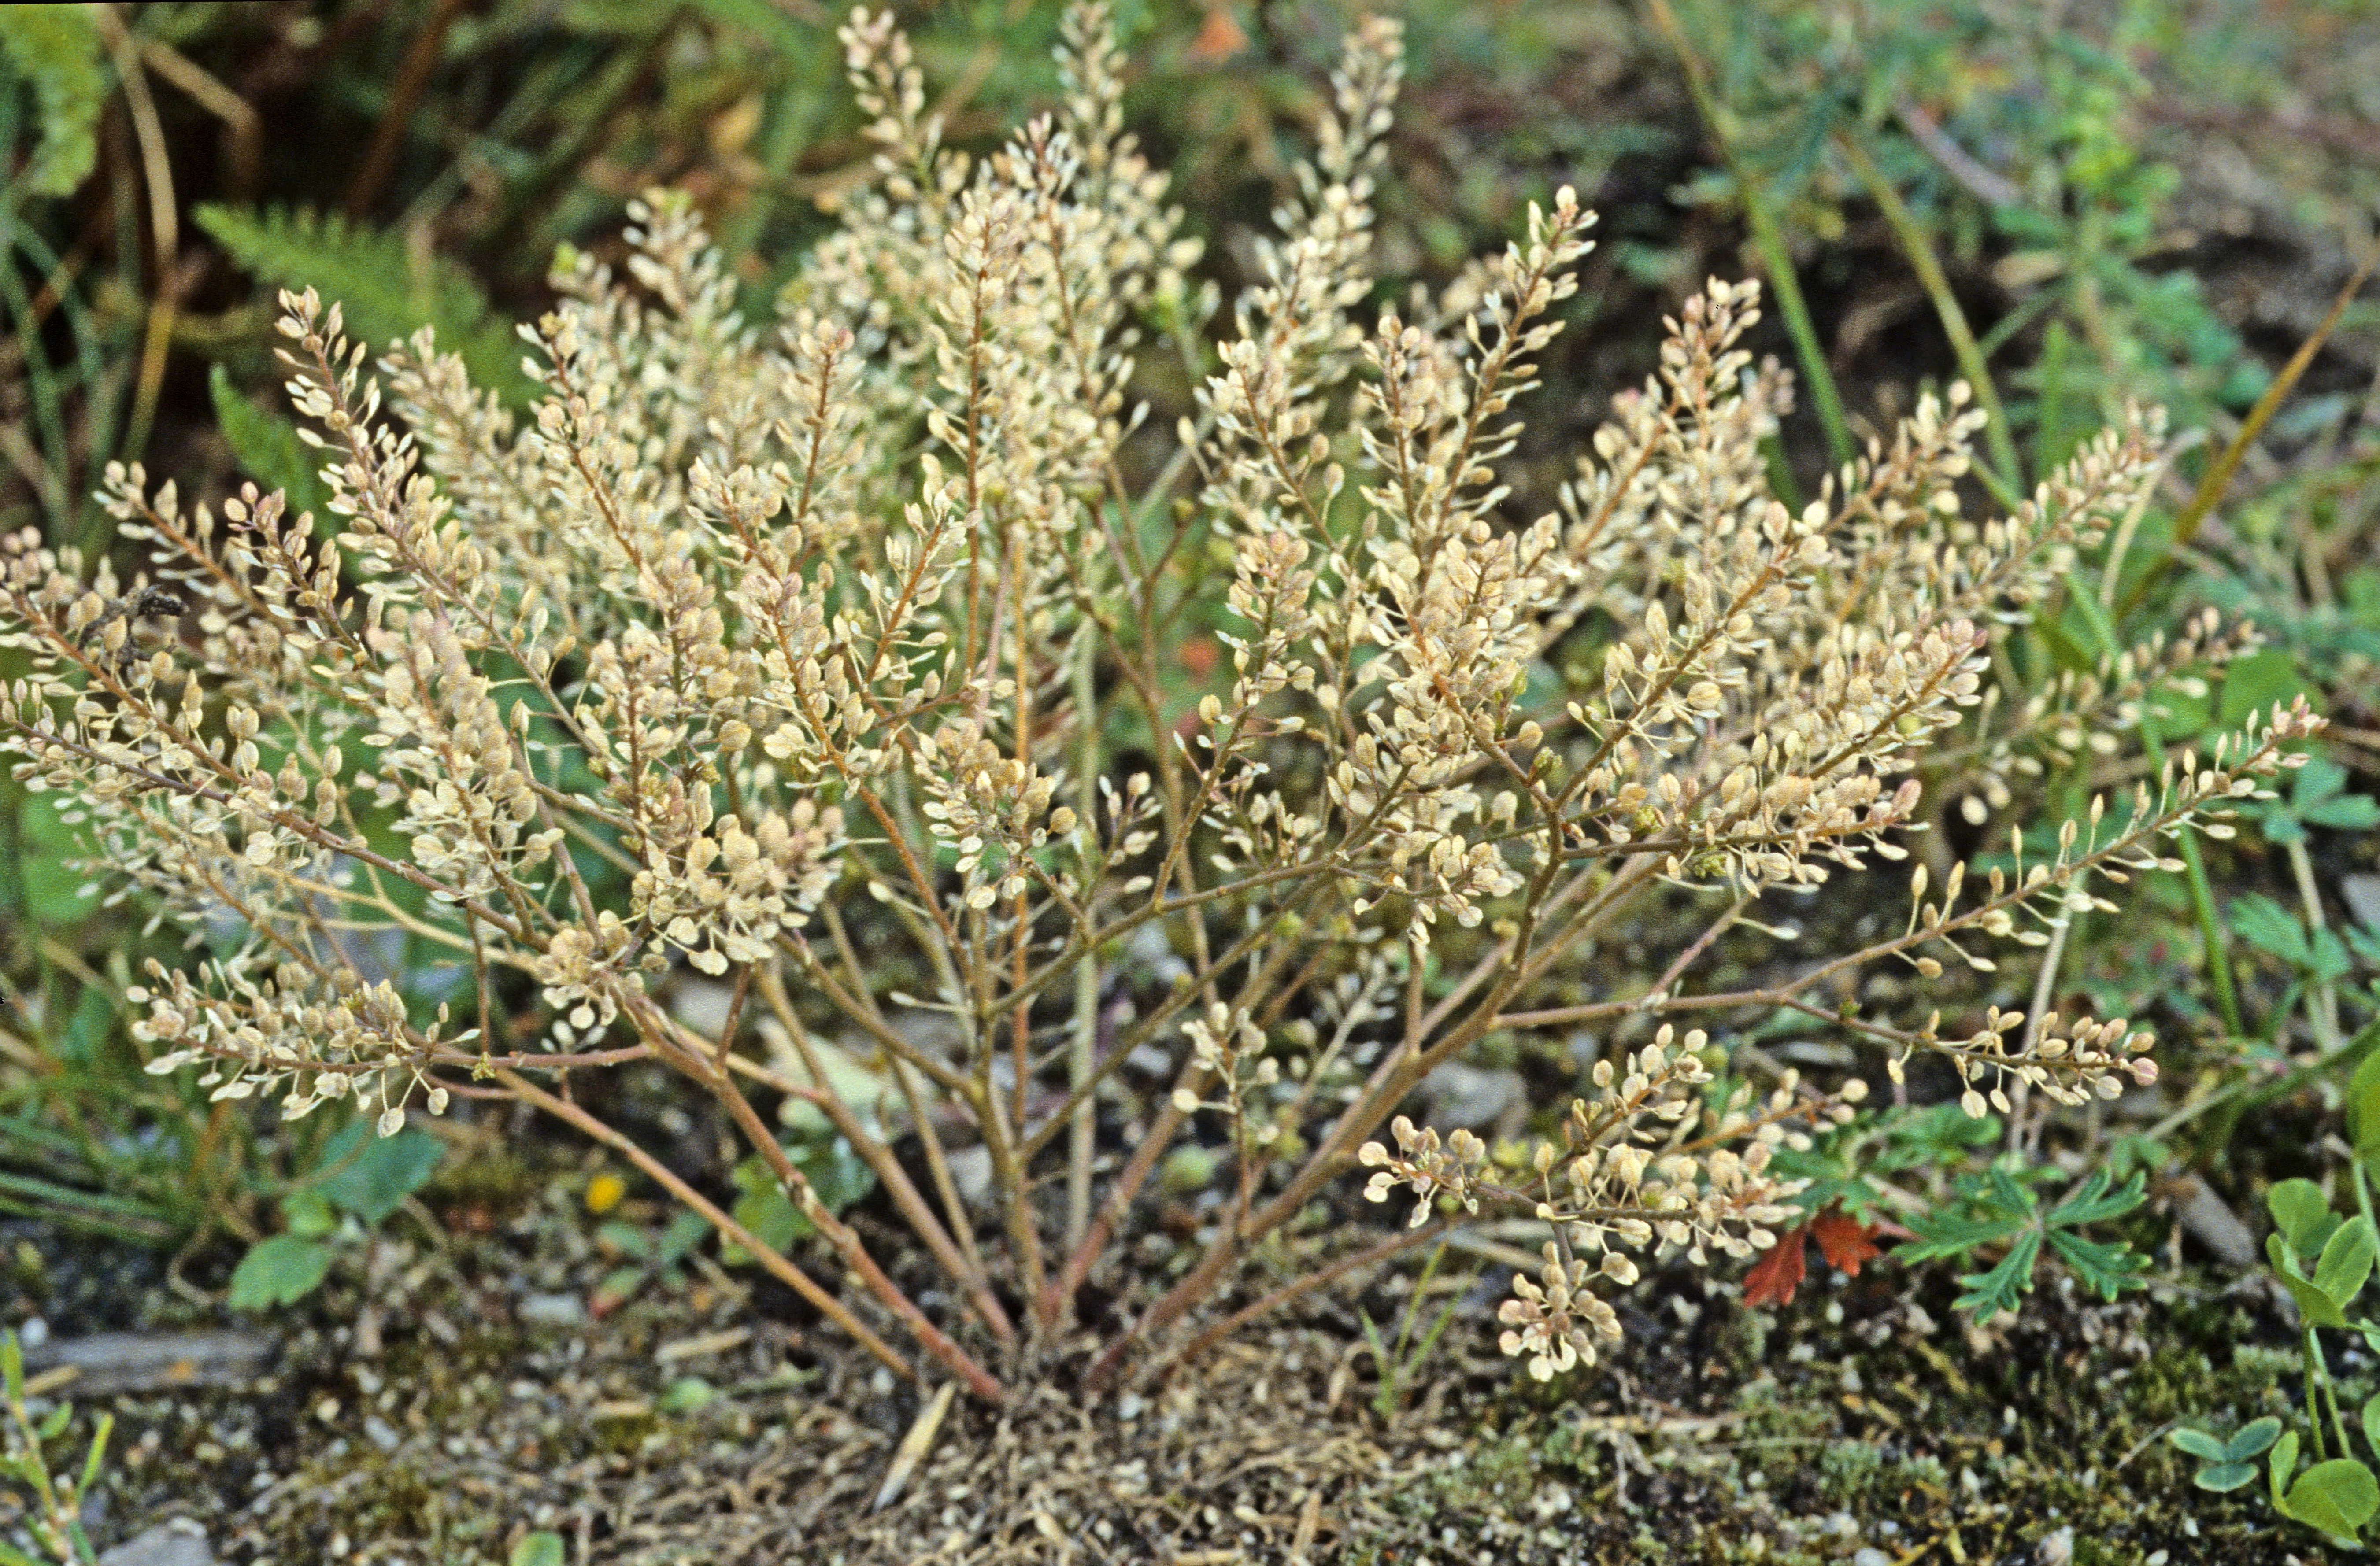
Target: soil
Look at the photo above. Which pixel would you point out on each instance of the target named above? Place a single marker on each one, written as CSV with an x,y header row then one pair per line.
x,y
475,1397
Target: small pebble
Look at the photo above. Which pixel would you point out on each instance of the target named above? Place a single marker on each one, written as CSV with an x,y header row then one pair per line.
x,y
1870,1556
553,1310
178,1543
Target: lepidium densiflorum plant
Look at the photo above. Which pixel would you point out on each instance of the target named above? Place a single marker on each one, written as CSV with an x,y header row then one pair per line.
x,y
806,661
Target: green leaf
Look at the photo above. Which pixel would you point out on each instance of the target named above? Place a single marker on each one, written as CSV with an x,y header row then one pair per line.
x,y
2320,778
537,1549
2331,961
2345,1263
625,1238
2094,1202
685,1394
2106,1268
2281,827
760,19
97,1454
2252,1439
2363,1106
834,1170
386,291
2316,1306
1947,1235
268,448
12,1366
2224,1477
278,1272
2001,1289
1372,1339
2303,1214
764,1208
2372,1424
2005,1195
685,1232
618,1289
2253,684
307,1215
2266,925
2338,1496
2284,1464
87,1030
373,1175
58,50
2353,812
2198,1443
2130,1150
50,864
836,1173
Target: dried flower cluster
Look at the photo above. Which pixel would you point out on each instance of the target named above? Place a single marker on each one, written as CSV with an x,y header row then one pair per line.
x,y
834,659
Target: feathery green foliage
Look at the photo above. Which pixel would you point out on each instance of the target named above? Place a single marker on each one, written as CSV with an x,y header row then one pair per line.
x,y
56,51
387,289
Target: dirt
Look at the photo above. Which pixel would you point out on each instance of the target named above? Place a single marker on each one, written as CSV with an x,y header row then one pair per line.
x,y
475,1399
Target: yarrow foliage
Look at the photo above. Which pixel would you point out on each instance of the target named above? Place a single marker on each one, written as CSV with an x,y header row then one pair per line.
x,y
832,657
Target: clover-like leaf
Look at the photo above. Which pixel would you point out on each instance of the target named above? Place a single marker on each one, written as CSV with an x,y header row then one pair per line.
x,y
2222,1478
2336,1498
278,1272
2253,1439
2303,1214
2319,1308
2345,1263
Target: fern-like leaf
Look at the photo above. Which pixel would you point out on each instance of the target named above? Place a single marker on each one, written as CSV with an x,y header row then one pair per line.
x,y
57,50
384,288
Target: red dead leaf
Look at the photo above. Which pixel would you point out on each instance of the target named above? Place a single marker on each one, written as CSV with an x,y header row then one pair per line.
x,y
1220,37
1845,1241
1775,1275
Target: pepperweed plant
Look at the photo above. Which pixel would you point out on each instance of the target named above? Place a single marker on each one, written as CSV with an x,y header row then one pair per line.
x,y
829,660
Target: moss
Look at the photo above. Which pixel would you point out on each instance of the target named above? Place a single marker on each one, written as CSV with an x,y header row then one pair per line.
x,y
1922,1470
1507,1471
1849,1469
